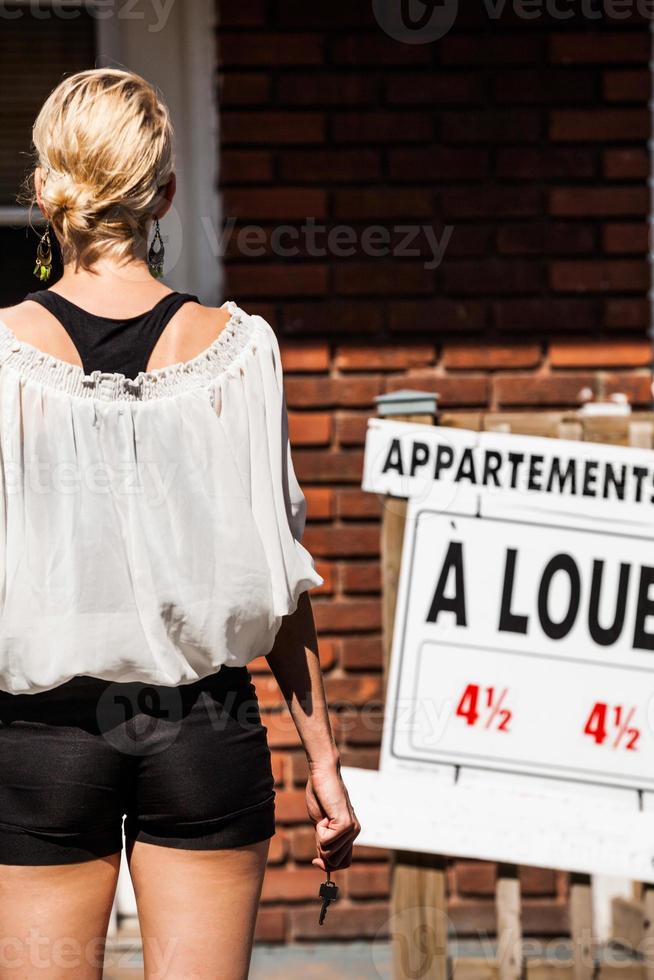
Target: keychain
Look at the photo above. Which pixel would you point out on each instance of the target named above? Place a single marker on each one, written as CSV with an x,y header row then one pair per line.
x,y
328,893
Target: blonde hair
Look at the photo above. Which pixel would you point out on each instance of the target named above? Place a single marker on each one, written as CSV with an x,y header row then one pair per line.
x,y
104,141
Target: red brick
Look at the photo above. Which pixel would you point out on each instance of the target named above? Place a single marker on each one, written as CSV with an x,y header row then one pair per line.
x,y
320,503
498,126
245,166
278,848
413,88
486,202
333,316
318,466
363,759
359,50
637,386
291,806
290,884
299,776
359,728
492,356
278,280
626,238
326,89
310,428
312,356
550,87
546,238
244,88
596,48
355,540
278,767
475,877
361,577
383,358
615,275
458,390
382,278
626,313
437,316
235,13
271,925
356,504
303,845
328,572
272,127
584,202
350,392
329,166
354,690
537,881
282,734
546,163
545,315
345,616
491,48
542,390
368,881
387,203
441,163
381,127
624,163
252,48
329,652
275,203
627,86
362,652
351,429
593,353
369,920
494,276
598,125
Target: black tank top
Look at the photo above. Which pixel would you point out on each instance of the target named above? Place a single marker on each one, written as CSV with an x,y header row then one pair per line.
x,y
109,344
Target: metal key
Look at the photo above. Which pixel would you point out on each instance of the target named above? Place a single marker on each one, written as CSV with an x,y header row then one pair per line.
x,y
328,894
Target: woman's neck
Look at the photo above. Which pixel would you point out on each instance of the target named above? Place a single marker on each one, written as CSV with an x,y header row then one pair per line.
x,y
118,290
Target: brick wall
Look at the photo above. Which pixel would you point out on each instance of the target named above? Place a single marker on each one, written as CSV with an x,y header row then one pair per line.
x,y
528,139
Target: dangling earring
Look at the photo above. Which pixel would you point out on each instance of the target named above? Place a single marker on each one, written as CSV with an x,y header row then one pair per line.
x,y
43,266
156,255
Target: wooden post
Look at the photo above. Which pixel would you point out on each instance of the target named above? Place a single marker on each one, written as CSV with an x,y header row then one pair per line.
x,y
418,891
509,922
581,926
647,949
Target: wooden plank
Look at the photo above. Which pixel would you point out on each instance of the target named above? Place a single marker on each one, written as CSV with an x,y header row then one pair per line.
x,y
509,922
628,925
418,891
647,947
474,968
419,917
581,927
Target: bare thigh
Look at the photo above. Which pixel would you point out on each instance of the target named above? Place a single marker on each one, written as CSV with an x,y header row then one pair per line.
x,y
197,909
54,919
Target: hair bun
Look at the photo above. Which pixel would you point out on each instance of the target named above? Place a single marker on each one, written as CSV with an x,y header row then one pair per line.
x,y
104,142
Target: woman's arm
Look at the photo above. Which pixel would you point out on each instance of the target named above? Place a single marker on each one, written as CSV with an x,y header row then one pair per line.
x,y
295,664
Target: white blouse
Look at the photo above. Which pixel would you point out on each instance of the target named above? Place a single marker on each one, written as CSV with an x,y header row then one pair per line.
x,y
150,528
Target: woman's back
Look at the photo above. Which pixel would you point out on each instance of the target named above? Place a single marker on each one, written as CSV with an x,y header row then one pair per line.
x,y
94,324
150,526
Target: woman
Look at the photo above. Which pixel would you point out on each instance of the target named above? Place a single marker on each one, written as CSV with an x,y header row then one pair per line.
x,y
151,546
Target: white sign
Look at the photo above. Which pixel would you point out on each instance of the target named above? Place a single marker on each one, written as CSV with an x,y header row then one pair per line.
x,y
522,670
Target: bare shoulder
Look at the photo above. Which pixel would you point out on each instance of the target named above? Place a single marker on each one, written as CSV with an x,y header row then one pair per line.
x,y
27,320
192,329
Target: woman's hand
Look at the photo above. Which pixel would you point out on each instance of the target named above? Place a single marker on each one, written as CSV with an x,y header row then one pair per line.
x,y
331,813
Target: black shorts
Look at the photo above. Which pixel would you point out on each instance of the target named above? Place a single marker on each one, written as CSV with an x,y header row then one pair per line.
x,y
185,766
